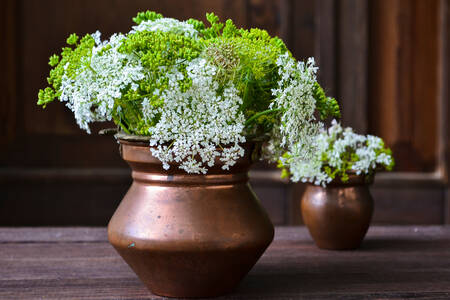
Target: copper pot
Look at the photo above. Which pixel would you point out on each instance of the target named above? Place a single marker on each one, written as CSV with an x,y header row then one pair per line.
x,y
188,235
338,216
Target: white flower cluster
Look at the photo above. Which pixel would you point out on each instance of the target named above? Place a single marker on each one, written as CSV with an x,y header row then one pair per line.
x,y
167,25
91,94
198,125
328,148
368,159
195,127
294,96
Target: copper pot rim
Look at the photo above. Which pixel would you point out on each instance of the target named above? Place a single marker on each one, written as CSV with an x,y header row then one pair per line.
x,y
353,180
137,153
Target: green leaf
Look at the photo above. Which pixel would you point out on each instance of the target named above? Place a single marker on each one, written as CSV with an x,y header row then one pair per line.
x,y
72,39
54,60
146,16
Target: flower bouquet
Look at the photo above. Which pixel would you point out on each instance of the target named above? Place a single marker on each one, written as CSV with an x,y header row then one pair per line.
x,y
191,89
339,165
194,104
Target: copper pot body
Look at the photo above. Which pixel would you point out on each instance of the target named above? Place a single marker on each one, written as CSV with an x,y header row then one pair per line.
x,y
338,216
188,235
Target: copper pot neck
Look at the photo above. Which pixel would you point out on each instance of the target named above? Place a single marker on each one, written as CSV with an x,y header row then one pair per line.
x,y
148,169
189,179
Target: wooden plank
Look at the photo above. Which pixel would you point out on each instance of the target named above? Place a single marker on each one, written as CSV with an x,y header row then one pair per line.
x,y
63,203
426,72
8,75
413,205
274,197
446,107
65,175
261,287
52,234
394,262
295,215
406,62
282,233
352,44
303,29
447,206
325,43
273,16
76,289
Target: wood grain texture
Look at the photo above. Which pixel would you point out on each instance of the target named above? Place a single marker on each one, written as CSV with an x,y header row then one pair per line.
x,y
447,206
63,203
326,34
8,72
446,106
405,64
77,263
352,63
303,29
415,205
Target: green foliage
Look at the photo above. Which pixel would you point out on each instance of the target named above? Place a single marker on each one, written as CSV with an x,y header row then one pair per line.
x,y
71,61
157,51
215,29
386,151
284,168
250,64
157,48
72,39
348,159
327,106
198,25
146,16
247,58
54,60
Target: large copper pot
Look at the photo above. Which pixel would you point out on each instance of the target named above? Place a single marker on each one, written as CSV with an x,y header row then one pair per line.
x,y
188,235
338,215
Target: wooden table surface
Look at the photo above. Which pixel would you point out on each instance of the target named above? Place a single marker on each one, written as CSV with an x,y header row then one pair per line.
x,y
78,263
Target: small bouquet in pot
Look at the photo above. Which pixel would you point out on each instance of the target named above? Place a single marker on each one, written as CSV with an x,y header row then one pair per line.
x,y
334,154
339,164
198,92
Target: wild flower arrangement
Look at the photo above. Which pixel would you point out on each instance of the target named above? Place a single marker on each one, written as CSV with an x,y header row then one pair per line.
x,y
337,153
198,92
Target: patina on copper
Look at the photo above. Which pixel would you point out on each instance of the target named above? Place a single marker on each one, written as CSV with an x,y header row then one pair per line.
x,y
188,235
338,215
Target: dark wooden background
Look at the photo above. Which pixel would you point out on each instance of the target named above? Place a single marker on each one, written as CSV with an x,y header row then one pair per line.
x,y
385,60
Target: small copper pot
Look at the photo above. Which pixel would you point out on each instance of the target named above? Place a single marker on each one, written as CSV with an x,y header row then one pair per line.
x,y
188,235
338,215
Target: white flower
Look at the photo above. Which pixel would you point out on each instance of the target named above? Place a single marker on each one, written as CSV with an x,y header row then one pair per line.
x,y
198,125
101,79
306,161
294,96
167,25
147,109
96,36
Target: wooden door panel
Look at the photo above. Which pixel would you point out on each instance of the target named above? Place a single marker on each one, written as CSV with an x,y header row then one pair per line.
x,y
384,60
